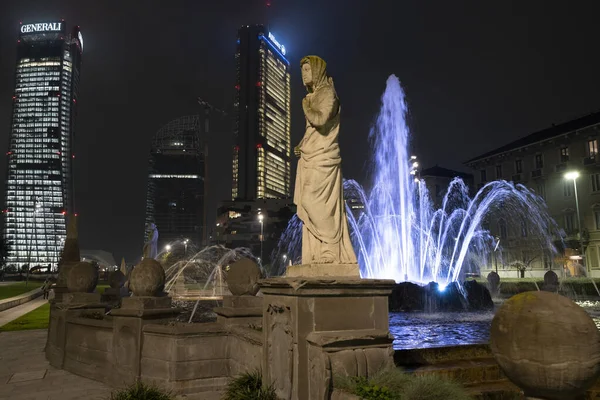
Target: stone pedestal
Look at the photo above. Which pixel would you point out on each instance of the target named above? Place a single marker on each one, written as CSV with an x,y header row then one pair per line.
x,y
128,324
315,328
114,295
350,271
240,310
71,305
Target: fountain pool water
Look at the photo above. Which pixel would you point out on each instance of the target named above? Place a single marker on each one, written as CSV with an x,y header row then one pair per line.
x,y
400,235
423,330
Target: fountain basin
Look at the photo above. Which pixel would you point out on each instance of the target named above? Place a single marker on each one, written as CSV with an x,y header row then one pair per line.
x,y
408,296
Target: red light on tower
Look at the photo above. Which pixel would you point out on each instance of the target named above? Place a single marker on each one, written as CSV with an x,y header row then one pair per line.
x,y
259,84
259,146
73,156
76,214
64,213
237,87
237,148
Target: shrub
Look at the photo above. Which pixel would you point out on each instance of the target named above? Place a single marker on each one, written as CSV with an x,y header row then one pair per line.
x,y
249,386
431,387
394,384
141,391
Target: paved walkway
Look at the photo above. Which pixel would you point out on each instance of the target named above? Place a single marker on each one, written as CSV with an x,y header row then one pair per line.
x,y
26,375
13,313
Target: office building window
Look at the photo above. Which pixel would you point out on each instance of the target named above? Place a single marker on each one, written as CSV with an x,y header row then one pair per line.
x,y
539,161
483,175
498,171
592,147
597,218
541,190
569,223
595,182
564,154
568,188
502,229
518,166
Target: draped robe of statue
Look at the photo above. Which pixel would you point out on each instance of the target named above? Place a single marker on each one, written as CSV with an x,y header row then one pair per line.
x,y
151,246
319,192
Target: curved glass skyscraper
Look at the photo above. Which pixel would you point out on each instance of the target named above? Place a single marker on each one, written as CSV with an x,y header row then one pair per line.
x,y
39,183
175,199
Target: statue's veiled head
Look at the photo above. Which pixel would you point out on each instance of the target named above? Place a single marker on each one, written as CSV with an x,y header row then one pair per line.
x,y
314,72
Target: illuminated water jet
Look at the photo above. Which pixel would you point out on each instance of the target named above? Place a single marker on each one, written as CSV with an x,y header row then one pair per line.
x,y
400,235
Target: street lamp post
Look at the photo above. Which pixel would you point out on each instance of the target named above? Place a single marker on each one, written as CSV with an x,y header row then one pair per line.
x,y
573,176
185,242
260,219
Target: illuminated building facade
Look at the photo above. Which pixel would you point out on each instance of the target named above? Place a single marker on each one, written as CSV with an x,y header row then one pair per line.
x,y
175,197
261,159
39,182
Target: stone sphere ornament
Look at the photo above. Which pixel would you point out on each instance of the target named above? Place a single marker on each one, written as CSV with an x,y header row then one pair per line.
x,y
243,277
147,278
551,281
116,279
83,278
547,345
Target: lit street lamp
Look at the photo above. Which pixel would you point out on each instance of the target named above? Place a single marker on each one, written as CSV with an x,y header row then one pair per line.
x,y
260,219
185,242
573,175
168,247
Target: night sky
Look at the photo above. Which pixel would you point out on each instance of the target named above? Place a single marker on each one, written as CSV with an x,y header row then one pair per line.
x,y
477,74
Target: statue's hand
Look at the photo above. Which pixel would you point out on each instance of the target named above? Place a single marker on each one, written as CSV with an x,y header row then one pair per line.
x,y
297,151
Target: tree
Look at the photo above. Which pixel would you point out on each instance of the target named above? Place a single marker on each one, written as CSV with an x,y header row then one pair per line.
x,y
5,248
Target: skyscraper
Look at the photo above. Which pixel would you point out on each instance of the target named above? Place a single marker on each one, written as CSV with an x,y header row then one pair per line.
x,y
175,200
261,159
39,183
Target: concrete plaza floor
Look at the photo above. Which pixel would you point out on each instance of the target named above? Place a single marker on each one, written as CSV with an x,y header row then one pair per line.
x,y
26,375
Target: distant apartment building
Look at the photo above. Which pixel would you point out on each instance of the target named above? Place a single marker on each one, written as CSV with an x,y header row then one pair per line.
x,y
256,224
437,179
541,161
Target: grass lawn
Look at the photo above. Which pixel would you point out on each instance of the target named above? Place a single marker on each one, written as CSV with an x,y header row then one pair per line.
x,y
18,288
36,319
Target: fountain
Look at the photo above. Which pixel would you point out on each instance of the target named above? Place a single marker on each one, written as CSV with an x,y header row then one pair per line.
x,y
399,235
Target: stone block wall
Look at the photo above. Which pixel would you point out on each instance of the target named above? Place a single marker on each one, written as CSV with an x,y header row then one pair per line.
x,y
88,348
184,358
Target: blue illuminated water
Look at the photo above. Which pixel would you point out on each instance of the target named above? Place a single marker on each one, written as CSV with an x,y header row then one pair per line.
x,y
400,235
424,330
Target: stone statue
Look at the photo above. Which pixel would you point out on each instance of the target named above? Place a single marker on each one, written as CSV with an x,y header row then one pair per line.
x,y
151,246
319,192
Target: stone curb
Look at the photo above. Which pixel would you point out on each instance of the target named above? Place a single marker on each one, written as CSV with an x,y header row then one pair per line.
x,y
21,299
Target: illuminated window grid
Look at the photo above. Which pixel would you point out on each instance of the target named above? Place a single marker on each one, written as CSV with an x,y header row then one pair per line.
x,y
35,231
260,173
234,190
276,174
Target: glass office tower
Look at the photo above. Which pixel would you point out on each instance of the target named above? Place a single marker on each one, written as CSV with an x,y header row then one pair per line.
x,y
261,159
39,183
